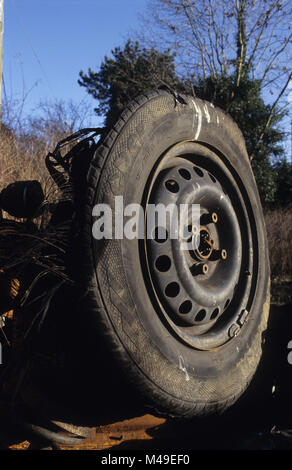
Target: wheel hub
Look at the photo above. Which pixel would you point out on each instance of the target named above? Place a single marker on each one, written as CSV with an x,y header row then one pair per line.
x,y
203,244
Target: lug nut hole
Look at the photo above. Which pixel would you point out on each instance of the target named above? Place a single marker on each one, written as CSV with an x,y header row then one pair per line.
x,y
160,234
212,178
185,307
172,186
198,171
163,263
223,254
215,313
172,289
200,315
184,173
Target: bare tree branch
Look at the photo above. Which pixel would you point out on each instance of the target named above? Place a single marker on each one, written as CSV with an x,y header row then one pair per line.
x,y
273,107
215,37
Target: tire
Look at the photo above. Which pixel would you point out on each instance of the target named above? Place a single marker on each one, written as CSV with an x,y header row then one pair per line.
x,y
194,352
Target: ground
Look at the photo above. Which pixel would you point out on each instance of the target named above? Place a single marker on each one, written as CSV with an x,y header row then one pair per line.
x,y
261,419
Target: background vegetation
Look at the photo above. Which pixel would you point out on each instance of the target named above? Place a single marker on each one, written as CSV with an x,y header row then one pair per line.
x,y
234,54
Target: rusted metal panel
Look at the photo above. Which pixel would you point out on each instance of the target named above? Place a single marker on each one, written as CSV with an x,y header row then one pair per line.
x,y
106,436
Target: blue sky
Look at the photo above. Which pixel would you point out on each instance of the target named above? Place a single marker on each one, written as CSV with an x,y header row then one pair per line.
x,y
47,42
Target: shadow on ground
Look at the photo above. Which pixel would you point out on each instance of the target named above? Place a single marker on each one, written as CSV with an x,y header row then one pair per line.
x,y
261,419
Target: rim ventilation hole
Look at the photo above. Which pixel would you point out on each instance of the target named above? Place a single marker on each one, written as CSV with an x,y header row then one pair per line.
x,y
198,171
214,314
172,289
188,233
160,234
184,173
200,315
185,307
172,186
212,178
163,263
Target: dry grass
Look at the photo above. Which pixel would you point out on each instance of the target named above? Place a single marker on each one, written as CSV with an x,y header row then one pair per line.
x,y
279,230
23,148
23,158
20,159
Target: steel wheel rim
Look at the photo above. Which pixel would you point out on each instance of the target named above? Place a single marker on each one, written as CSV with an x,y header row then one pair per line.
x,y
202,309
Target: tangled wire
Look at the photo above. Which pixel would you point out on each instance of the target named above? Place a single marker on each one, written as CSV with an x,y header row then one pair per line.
x,y
36,244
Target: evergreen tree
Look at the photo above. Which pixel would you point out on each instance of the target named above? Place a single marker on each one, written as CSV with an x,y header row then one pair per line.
x,y
130,72
246,106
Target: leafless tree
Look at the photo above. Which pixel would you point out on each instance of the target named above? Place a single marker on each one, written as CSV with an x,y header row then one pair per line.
x,y
54,120
223,38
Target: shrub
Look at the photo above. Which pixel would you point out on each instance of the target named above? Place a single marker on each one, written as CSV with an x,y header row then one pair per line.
x,y
279,231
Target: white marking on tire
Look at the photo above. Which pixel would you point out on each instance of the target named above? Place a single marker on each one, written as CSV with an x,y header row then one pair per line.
x,y
182,367
199,114
207,113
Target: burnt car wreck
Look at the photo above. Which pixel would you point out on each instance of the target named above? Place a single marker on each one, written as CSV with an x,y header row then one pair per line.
x,y
180,329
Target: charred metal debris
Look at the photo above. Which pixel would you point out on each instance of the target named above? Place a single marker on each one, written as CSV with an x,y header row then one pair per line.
x,y
36,237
